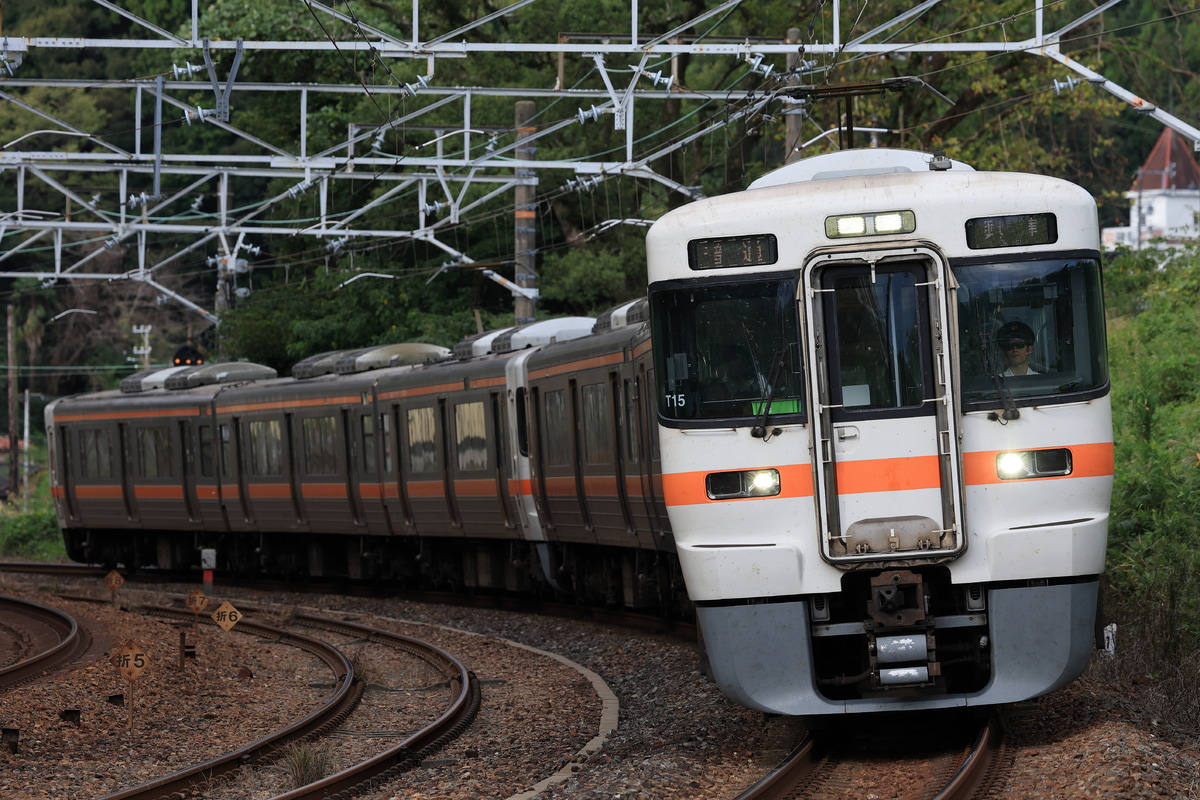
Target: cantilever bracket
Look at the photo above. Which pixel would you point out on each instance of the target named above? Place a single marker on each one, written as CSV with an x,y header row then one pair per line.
x,y
221,112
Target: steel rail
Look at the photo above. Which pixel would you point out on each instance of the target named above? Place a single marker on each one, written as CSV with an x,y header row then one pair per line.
x,y
370,774
328,716
71,641
974,776
350,782
794,771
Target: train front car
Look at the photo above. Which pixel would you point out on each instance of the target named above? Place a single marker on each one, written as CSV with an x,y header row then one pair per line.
x,y
886,433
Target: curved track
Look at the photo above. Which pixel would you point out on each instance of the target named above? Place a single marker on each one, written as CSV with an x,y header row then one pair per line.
x,y
345,698
824,769
42,638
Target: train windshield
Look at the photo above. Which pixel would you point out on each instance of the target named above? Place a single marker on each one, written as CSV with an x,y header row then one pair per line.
x,y
1032,329
727,351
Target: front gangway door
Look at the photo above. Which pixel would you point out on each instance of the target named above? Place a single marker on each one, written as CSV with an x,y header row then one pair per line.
x,y
886,471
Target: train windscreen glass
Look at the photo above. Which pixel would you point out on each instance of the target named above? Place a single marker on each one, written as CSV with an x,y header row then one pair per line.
x,y
727,350
1031,329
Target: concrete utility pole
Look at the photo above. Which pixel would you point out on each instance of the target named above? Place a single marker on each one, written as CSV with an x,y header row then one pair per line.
x,y
13,439
794,116
525,217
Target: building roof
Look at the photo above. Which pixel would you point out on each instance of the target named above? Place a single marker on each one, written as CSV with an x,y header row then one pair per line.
x,y
1171,165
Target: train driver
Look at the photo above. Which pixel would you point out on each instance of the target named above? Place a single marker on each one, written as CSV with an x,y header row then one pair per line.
x,y
1015,340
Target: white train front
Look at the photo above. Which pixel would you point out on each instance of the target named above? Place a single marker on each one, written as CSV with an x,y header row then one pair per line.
x,y
885,429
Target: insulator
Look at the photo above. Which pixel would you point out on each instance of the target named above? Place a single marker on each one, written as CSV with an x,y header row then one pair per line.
x,y
1069,85
186,71
199,115
299,189
591,115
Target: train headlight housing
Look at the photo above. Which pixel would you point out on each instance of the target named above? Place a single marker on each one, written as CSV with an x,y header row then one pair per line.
x,y
747,483
882,224
1017,464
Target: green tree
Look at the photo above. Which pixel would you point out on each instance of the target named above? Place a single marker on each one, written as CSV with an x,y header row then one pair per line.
x,y
1155,535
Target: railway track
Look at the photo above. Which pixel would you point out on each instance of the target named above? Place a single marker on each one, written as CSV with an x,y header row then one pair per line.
x,y
39,639
347,695
837,768
648,623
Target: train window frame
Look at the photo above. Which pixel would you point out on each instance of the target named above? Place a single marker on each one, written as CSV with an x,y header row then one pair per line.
x,y
385,431
596,423
422,420
227,451
470,436
320,437
556,414
521,402
1060,295
691,349
845,411
265,438
206,445
366,430
629,400
95,462
155,452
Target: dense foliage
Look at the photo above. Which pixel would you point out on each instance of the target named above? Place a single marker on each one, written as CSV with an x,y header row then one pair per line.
x,y
1154,540
1007,114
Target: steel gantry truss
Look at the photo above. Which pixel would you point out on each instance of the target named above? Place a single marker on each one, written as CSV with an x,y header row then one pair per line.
x,y
460,169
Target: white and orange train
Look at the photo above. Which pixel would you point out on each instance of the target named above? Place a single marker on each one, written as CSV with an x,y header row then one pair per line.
x,y
865,437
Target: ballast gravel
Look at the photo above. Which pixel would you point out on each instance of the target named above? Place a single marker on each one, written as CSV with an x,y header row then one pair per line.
x,y
581,710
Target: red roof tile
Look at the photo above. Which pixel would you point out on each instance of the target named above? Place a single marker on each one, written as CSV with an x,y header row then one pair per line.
x,y
1171,165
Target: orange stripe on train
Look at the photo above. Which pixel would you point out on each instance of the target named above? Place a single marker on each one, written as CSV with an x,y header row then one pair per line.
x,y
888,475
323,491
688,488
158,492
1087,461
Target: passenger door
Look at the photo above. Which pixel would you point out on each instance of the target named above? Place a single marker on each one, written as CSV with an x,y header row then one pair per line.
x,y
887,472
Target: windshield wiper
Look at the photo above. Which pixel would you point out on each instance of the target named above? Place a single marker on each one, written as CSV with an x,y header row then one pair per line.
x,y
760,431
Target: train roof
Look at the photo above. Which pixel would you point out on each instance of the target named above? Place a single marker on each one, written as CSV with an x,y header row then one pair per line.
x,y
795,203
390,368
847,163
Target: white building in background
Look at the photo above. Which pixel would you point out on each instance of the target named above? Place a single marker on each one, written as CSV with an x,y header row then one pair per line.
x,y
1164,200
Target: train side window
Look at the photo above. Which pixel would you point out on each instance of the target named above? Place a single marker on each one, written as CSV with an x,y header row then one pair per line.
x,y
422,440
266,447
320,445
596,425
557,429
522,422
154,451
632,422
226,450
385,430
470,432
367,428
206,450
95,449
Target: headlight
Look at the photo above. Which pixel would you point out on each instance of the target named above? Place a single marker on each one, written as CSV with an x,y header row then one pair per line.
x,y
749,483
1018,464
881,224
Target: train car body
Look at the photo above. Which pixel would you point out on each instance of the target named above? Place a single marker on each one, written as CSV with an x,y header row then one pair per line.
x,y
521,465
875,506
865,437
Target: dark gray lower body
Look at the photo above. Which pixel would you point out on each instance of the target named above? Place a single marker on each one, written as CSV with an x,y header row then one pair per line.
x,y
1040,639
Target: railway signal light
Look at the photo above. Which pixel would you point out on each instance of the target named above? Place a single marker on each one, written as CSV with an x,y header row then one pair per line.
x,y
187,356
